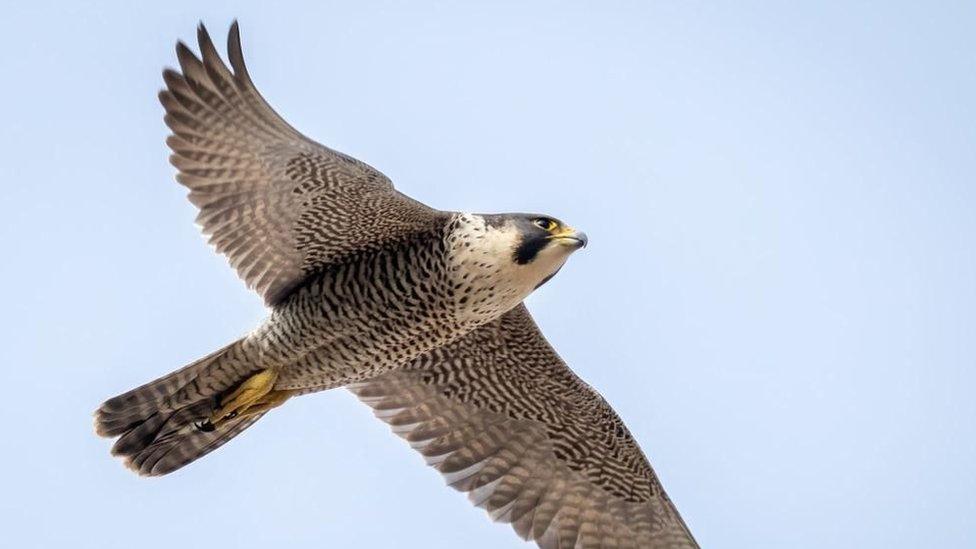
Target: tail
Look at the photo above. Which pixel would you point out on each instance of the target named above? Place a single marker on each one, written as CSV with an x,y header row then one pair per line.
x,y
164,424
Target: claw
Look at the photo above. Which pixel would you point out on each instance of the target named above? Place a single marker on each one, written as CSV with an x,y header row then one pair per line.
x,y
271,400
249,393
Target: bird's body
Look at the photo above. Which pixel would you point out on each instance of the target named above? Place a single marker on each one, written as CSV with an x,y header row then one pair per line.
x,y
382,310
339,328
417,311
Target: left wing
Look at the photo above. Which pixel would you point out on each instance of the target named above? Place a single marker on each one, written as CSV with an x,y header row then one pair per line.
x,y
279,205
503,418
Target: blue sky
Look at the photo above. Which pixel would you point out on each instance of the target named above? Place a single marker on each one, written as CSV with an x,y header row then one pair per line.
x,y
778,296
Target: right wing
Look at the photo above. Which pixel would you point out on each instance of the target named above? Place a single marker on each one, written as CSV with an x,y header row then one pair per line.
x,y
277,204
502,417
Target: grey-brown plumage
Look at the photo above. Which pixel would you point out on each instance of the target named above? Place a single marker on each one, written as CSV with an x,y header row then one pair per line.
x,y
417,311
502,417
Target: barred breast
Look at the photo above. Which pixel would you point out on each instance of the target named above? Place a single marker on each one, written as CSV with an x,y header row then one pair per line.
x,y
366,316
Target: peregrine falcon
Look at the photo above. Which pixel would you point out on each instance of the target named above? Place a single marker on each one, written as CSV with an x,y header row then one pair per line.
x,y
417,311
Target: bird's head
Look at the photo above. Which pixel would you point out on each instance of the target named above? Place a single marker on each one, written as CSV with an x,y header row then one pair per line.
x,y
515,252
543,245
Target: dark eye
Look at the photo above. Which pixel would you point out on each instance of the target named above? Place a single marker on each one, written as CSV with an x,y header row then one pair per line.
x,y
544,223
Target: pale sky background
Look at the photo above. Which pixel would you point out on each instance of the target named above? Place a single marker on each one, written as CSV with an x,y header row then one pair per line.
x,y
779,296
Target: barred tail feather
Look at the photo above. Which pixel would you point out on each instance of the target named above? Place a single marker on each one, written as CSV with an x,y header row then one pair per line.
x,y
161,425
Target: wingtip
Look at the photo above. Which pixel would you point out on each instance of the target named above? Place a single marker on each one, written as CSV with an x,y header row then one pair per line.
x,y
183,52
234,36
171,76
235,52
203,36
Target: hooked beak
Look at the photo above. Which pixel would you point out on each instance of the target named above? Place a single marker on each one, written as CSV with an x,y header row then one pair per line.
x,y
570,237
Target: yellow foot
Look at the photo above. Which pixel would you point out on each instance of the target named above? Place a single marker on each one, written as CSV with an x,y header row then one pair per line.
x,y
267,402
251,392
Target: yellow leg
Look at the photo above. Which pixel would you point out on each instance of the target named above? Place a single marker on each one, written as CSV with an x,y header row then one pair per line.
x,y
250,392
267,402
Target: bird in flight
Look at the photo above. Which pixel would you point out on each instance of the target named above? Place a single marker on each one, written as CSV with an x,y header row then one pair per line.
x,y
417,311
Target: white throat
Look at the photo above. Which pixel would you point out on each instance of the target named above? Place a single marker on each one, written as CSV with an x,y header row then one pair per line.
x,y
487,279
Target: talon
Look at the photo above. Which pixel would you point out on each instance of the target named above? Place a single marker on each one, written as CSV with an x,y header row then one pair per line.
x,y
271,400
248,393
